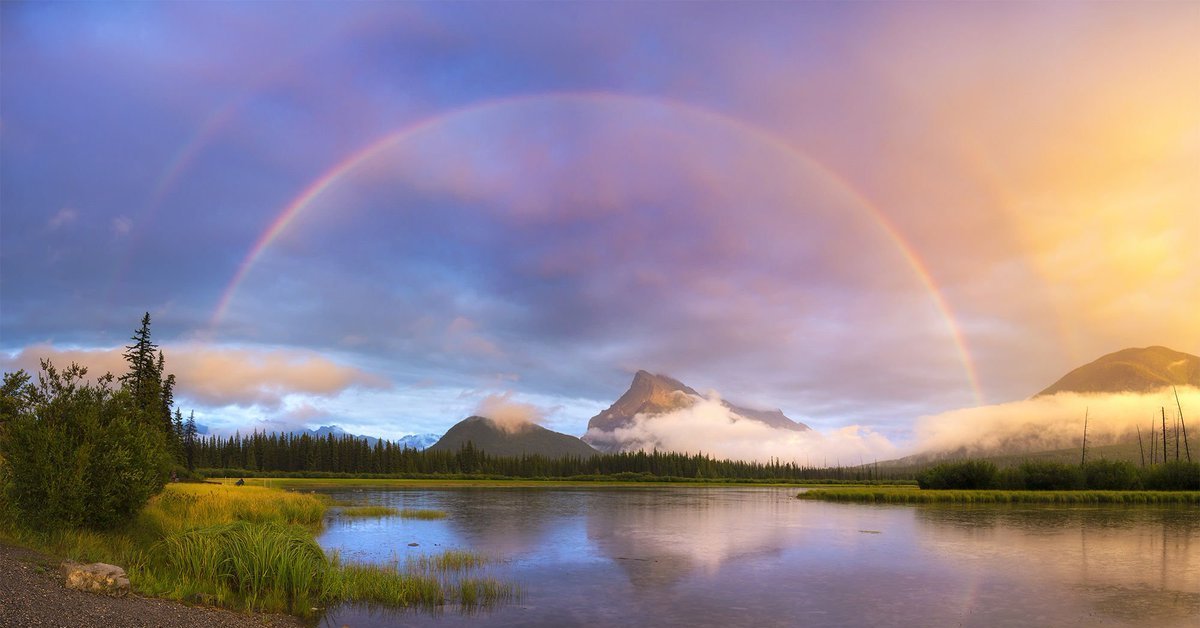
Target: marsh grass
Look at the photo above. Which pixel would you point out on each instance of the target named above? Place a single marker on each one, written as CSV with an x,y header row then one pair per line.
x,y
447,561
369,511
253,548
422,513
485,592
258,565
909,496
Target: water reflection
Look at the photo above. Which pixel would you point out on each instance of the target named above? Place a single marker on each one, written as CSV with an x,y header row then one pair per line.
x,y
757,556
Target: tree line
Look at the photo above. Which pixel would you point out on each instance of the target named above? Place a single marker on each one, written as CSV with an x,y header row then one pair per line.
x,y
299,453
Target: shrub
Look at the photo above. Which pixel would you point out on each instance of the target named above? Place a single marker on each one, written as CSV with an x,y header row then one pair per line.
x,y
1051,476
1177,475
965,474
1010,479
77,453
1111,475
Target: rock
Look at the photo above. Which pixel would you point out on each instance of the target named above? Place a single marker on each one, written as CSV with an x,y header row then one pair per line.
x,y
96,578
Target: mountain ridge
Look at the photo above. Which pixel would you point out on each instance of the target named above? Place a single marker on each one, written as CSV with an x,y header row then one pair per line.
x,y
488,436
1134,369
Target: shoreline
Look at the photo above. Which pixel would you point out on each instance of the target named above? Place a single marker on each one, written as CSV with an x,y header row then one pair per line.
x,y
877,495
32,594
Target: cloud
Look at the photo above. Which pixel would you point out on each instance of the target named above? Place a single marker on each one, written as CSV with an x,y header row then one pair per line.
x,y
711,428
1053,422
122,225
222,376
509,415
63,217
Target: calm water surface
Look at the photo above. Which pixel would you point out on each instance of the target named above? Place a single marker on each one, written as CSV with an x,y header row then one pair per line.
x,y
760,557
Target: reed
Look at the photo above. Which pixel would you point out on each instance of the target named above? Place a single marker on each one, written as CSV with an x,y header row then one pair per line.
x,y
485,592
447,561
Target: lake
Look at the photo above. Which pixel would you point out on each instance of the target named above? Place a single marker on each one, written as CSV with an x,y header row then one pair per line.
x,y
756,556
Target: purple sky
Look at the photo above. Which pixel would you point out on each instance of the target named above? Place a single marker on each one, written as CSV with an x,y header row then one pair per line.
x,y
847,210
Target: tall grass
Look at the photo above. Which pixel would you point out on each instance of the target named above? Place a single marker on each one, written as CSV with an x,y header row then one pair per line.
x,y
269,565
425,580
909,496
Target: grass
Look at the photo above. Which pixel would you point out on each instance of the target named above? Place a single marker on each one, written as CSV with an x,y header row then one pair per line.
x,y
369,511
911,495
447,561
253,548
422,513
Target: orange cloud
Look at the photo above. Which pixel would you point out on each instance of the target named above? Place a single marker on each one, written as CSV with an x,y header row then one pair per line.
x,y
221,376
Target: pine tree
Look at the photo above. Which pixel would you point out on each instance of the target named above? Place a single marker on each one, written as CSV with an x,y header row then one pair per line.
x,y
140,358
189,441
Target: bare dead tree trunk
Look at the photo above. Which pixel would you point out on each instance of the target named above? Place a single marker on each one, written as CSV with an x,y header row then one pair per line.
x,y
1186,448
1141,449
1083,455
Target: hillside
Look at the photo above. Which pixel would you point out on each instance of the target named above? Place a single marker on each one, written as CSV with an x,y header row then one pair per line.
x,y
526,439
1131,370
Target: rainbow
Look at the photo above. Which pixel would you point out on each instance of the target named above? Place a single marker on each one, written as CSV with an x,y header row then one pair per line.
x,y
352,161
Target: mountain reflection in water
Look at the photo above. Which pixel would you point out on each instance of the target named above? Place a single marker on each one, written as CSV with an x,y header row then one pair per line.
x,y
748,556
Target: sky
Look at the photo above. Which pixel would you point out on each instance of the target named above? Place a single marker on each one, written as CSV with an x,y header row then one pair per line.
x,y
382,215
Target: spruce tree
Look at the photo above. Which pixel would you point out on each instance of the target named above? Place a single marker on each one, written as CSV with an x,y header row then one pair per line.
x,y
140,358
189,441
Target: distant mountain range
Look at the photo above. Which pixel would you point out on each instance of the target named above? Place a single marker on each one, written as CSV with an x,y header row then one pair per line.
x,y
1131,370
412,441
418,441
650,395
519,440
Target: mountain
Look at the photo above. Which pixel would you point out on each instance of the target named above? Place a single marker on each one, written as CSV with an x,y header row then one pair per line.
x,y
525,439
1053,432
412,441
336,431
418,441
1131,370
651,394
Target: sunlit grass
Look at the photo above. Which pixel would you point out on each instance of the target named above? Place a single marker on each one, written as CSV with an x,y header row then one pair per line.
x,y
910,496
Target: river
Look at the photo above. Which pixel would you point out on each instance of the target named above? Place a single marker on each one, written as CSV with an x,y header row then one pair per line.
x,y
756,556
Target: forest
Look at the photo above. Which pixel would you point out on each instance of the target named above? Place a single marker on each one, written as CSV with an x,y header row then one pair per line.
x,y
261,453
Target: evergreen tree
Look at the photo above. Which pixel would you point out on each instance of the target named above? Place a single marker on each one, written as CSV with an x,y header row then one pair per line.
x,y
189,441
141,380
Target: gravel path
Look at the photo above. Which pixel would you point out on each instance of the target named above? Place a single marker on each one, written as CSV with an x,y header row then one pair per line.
x,y
32,595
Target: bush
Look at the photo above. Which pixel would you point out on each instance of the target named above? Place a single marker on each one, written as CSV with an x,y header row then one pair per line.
x,y
1051,476
77,453
1177,475
1010,479
965,474
1111,475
